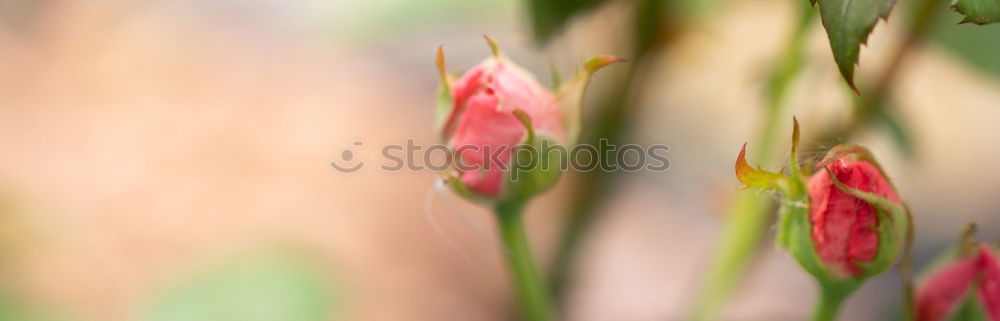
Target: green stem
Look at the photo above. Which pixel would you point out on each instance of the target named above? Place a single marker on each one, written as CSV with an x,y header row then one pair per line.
x,y
829,304
751,212
652,33
594,187
789,65
531,292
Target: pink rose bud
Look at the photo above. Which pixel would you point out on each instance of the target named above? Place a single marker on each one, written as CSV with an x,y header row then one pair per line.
x,y
975,277
483,119
480,125
844,227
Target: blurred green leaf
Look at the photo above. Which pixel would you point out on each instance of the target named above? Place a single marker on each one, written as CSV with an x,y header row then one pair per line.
x,y
14,309
549,17
261,288
400,20
650,20
847,24
978,11
979,46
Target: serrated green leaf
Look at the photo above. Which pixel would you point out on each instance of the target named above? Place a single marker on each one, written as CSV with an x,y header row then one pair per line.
x,y
974,44
848,24
978,11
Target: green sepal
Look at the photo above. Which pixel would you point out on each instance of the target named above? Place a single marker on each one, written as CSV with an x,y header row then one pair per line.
x,y
462,190
445,99
755,177
570,95
445,102
970,308
856,152
794,199
798,241
535,165
893,224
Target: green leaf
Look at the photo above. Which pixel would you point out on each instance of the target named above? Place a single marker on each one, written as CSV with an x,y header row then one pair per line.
x,y
549,17
848,23
975,45
978,11
259,288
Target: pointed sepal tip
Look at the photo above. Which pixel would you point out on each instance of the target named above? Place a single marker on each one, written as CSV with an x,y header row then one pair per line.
x,y
493,46
598,62
754,177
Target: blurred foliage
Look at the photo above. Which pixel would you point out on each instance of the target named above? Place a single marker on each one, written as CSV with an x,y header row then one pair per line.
x,y
14,309
13,305
978,11
897,129
362,20
549,17
977,45
258,288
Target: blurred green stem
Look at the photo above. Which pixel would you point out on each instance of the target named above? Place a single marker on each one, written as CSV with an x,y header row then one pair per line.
x,y
829,303
533,296
750,213
591,191
652,31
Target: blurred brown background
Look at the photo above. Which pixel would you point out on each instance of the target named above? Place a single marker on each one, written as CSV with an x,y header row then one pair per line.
x,y
142,142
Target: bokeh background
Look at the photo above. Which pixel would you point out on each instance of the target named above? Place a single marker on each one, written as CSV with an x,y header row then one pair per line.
x,y
169,160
